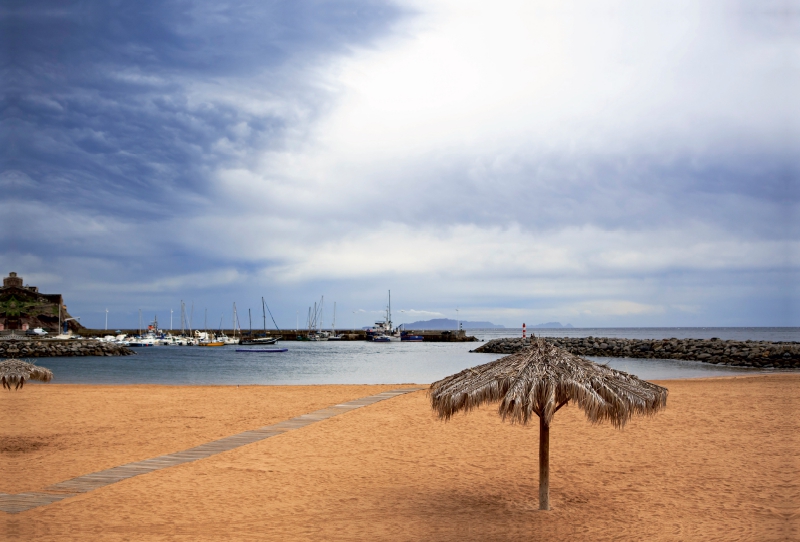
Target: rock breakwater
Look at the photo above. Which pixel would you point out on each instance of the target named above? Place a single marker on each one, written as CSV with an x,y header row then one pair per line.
x,y
52,348
782,355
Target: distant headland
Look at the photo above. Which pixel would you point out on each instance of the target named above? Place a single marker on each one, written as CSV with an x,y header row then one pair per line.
x,y
23,307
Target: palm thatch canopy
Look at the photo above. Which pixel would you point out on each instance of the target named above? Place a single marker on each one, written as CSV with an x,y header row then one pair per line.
x,y
16,372
540,380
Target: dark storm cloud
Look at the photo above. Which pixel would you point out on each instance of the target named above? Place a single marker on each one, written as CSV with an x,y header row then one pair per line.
x,y
97,105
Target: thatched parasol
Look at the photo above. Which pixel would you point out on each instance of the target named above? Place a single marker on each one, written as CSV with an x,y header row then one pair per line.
x,y
540,380
16,371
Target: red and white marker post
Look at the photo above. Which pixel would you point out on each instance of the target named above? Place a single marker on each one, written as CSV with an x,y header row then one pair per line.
x,y
523,330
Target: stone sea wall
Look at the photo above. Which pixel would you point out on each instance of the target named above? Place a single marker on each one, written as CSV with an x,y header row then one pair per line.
x,y
50,348
784,355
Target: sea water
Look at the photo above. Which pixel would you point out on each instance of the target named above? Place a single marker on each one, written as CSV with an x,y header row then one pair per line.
x,y
361,362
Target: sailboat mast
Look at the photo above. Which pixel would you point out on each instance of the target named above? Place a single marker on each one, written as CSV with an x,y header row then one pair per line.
x,y
264,314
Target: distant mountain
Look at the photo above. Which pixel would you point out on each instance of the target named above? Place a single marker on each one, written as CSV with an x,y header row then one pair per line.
x,y
446,323
552,325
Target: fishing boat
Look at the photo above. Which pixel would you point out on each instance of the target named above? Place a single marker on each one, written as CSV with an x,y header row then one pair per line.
x,y
383,332
148,339
405,336
212,343
263,350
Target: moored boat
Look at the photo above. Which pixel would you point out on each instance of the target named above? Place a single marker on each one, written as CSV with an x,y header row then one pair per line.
x,y
383,332
258,340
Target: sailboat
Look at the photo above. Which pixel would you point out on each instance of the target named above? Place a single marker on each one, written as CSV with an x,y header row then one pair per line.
x,y
261,340
221,335
207,340
383,332
334,336
315,332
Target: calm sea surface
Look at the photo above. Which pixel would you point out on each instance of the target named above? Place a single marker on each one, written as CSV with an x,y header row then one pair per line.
x,y
360,362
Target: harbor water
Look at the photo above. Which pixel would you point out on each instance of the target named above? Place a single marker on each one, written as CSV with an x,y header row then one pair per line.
x,y
361,362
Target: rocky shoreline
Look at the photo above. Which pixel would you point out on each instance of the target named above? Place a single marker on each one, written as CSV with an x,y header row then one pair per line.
x,y
782,355
45,348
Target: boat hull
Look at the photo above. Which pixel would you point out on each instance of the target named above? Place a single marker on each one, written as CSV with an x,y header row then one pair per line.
x,y
258,341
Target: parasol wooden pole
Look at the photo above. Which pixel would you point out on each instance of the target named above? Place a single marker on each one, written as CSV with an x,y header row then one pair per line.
x,y
544,465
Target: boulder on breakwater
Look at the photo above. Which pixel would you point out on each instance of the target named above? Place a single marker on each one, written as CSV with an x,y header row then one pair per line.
x,y
46,348
782,355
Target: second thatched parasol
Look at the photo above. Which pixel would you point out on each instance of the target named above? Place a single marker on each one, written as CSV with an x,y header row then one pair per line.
x,y
16,371
539,381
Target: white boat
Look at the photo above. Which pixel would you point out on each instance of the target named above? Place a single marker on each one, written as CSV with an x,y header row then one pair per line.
x,y
171,340
143,342
383,332
333,336
319,336
227,340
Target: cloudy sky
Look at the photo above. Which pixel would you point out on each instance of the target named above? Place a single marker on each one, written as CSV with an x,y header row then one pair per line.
x,y
602,164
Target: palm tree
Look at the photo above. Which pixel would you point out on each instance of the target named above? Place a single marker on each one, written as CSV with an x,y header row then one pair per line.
x,y
16,371
539,381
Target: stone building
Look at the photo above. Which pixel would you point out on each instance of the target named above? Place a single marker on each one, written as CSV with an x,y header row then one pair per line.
x,y
23,307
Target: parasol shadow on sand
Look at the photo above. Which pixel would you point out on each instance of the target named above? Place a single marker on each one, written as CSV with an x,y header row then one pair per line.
x,y
540,380
16,372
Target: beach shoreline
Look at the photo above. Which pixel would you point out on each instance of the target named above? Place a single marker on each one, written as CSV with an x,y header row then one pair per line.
x,y
719,463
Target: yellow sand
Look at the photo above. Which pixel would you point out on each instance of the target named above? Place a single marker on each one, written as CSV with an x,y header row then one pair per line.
x,y
721,463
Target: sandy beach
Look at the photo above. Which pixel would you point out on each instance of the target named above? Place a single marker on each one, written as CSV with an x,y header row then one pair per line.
x,y
720,463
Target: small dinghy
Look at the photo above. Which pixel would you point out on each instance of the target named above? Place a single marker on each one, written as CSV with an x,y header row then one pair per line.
x,y
269,350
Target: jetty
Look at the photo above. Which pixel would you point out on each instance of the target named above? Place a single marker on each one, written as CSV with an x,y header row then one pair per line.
x,y
15,346
780,355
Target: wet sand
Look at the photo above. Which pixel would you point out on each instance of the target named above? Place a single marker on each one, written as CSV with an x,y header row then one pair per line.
x,y
721,463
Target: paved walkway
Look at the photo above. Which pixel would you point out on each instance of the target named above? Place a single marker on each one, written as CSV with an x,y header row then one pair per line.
x,y
21,502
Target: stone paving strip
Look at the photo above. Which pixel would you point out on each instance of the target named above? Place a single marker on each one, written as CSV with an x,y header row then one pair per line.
x,y
13,504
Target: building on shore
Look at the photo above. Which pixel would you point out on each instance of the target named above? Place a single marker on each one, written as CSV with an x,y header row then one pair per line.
x,y
23,307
